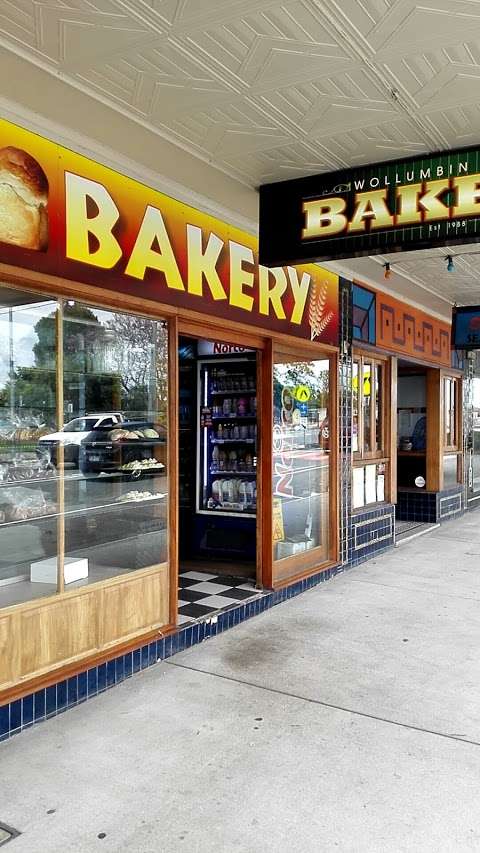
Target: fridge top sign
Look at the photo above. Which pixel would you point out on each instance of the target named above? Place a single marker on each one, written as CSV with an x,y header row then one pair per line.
x,y
385,207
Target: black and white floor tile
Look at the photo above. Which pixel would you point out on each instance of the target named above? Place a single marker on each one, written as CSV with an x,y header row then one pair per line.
x,y
201,594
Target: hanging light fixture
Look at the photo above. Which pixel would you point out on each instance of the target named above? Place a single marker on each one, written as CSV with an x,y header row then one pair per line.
x,y
450,264
387,269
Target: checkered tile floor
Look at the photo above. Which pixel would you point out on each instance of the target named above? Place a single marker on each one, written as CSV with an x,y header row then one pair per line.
x,y
201,594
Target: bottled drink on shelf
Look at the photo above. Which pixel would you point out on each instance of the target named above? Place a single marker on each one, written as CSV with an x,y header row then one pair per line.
x,y
217,490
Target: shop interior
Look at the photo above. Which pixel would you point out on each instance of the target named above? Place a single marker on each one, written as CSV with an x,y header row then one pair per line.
x,y
217,475
414,415
411,426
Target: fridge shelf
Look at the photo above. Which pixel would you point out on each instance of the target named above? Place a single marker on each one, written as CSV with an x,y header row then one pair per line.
x,y
236,391
234,507
234,417
234,473
232,440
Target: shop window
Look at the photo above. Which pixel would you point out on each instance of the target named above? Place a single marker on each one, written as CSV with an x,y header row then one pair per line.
x,y
452,460
301,464
450,413
83,441
368,430
28,393
364,306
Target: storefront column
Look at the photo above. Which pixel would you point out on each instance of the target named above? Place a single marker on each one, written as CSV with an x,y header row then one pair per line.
x,y
264,483
392,428
434,431
173,427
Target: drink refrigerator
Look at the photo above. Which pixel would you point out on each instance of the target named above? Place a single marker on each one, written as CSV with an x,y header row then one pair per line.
x,y
227,438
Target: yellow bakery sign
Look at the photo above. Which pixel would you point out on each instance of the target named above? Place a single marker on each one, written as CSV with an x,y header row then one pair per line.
x,y
64,214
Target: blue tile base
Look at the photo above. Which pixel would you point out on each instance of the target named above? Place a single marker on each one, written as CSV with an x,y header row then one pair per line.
x,y
54,700
430,507
370,533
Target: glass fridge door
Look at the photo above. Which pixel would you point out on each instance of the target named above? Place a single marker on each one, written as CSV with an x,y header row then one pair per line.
x,y
227,435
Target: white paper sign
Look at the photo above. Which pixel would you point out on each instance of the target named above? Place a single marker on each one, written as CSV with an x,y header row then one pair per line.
x,y
358,487
370,484
381,487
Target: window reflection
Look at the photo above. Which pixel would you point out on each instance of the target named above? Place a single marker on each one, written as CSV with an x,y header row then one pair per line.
x,y
27,411
81,463
356,406
301,442
367,406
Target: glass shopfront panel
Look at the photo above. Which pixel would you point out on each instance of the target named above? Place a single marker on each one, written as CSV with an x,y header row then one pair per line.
x,y
301,463
367,383
83,445
355,407
28,397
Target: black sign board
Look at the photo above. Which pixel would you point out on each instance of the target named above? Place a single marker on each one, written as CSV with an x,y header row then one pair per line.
x,y
415,203
466,327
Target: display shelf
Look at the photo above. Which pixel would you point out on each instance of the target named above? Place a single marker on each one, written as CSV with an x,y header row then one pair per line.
x,y
7,484
75,478
102,508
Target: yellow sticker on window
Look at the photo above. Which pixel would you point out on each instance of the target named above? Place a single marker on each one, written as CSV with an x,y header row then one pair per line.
x,y
302,393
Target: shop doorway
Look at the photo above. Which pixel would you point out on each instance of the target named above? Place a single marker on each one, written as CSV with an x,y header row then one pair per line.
x,y
217,475
413,460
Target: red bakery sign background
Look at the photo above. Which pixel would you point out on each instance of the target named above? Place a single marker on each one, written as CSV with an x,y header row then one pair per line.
x,y
66,215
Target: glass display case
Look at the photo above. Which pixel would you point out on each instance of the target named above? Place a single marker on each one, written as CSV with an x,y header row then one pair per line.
x,y
227,437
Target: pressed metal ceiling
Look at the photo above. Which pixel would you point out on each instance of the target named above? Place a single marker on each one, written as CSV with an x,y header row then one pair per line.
x,y
426,271
267,90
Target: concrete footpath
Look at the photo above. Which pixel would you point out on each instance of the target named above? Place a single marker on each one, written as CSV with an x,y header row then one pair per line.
x,y
346,719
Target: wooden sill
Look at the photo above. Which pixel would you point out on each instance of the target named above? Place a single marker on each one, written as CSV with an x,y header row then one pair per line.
x,y
369,507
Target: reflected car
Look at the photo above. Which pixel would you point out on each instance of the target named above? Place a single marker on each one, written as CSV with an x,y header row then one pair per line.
x,y
73,433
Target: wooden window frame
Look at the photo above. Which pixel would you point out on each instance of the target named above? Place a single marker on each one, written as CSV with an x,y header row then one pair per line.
x,y
384,455
455,449
376,361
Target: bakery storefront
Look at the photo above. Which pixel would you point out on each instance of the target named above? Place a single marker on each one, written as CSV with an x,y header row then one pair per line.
x,y
168,415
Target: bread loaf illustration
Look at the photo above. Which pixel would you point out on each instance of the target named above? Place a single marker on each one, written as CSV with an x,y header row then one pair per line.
x,y
23,200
